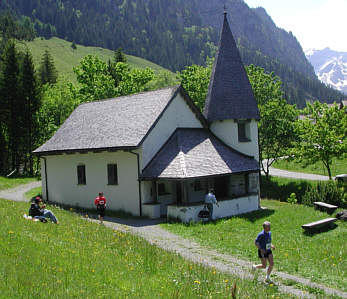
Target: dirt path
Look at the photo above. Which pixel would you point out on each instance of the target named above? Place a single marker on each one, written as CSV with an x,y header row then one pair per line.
x,y
17,194
154,234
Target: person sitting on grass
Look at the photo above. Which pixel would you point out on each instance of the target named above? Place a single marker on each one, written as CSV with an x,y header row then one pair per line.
x,y
264,245
37,210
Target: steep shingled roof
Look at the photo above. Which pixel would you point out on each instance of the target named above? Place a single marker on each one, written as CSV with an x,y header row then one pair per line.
x,y
193,153
121,122
230,94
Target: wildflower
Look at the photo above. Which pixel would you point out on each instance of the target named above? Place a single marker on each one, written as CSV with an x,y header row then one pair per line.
x,y
10,232
226,280
214,272
86,216
332,256
197,281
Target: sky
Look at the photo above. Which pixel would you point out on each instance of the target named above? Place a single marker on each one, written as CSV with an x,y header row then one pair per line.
x,y
316,24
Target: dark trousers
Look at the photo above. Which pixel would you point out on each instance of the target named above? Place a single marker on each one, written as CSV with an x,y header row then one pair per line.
x,y
210,209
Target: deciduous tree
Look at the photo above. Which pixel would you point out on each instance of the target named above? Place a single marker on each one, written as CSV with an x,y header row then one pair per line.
x,y
277,118
322,135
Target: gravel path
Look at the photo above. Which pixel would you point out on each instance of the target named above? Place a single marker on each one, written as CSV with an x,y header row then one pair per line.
x,y
295,175
154,234
17,194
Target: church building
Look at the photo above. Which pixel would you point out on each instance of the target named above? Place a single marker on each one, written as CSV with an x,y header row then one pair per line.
x,y
155,154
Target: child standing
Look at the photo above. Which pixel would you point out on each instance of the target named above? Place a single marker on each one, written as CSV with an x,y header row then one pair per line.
x,y
100,202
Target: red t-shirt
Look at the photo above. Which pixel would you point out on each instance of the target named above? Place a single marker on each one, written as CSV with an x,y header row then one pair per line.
x,y
100,201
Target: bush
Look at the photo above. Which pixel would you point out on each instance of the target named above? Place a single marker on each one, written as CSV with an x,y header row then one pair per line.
x,y
282,188
328,192
292,199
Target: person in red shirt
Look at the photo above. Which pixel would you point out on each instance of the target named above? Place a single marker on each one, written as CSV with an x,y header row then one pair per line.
x,y
100,202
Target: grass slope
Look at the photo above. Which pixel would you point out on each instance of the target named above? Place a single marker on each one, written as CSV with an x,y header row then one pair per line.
x,y
6,183
337,167
81,259
320,257
65,58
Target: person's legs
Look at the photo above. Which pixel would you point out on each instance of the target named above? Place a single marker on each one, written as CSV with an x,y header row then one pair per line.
x,y
262,265
50,215
210,209
271,264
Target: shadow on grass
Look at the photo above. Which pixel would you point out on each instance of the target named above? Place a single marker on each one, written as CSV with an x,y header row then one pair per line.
x,y
320,230
256,215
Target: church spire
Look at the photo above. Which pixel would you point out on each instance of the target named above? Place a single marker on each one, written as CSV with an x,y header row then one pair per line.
x,y
230,94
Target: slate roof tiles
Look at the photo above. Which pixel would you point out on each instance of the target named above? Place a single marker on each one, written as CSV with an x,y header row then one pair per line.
x,y
230,94
193,153
114,123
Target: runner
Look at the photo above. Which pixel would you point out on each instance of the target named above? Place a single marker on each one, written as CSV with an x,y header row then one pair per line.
x,y
264,245
100,202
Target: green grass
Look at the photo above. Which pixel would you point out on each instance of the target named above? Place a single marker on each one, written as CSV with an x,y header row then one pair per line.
x,y
65,58
8,183
320,257
81,259
33,192
337,167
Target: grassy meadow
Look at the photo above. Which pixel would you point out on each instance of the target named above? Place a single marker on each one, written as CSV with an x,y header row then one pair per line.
x,y
65,58
81,259
320,257
339,166
8,183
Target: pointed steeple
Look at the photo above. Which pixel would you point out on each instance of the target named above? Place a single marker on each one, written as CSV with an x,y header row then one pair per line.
x,y
230,94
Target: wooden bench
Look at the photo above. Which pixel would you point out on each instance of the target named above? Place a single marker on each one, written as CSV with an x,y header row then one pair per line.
x,y
325,207
318,224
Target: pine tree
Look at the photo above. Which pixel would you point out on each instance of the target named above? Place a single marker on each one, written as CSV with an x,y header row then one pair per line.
x,y
119,56
11,104
31,97
47,70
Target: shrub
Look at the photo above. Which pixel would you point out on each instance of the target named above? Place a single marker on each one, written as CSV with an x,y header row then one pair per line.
x,y
282,188
292,199
328,192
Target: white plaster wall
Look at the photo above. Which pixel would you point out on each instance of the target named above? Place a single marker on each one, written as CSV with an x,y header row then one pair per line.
x,y
146,192
43,179
226,208
63,187
151,210
227,131
177,115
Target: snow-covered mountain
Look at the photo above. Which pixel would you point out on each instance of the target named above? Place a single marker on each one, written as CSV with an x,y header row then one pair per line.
x,y
330,67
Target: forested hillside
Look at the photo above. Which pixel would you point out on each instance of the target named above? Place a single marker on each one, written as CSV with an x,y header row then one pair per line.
x,y
177,33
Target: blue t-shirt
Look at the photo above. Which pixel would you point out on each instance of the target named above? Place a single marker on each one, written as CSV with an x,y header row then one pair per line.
x,y
264,240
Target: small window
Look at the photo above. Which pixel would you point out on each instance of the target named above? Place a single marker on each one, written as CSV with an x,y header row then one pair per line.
x,y
197,185
81,175
112,174
242,131
162,189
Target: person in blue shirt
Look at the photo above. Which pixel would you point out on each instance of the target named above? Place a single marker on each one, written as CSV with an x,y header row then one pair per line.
x,y
264,245
210,200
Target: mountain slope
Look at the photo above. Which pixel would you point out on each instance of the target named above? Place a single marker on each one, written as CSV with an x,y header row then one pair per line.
x,y
330,67
65,58
177,33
